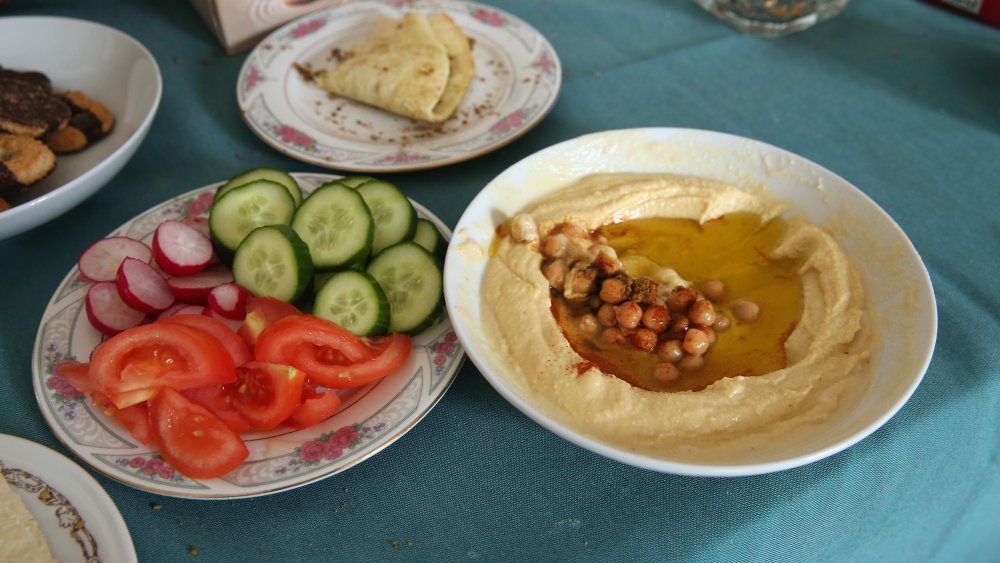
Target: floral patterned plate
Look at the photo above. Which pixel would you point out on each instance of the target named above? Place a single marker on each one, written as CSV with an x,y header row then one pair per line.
x,y
372,417
79,520
518,77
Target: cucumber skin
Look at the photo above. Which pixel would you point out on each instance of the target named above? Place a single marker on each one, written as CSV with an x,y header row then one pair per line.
x,y
302,258
438,309
254,174
442,244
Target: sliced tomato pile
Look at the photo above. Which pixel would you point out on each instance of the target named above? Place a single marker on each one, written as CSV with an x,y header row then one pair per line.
x,y
191,384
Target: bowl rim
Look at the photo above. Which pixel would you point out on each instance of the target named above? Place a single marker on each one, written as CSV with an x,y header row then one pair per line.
x,y
659,464
41,205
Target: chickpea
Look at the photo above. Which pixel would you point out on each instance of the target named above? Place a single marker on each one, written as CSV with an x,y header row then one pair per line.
x,y
628,314
613,336
606,315
580,284
670,350
607,263
613,290
746,311
523,228
555,246
655,318
695,342
678,327
680,299
572,230
665,372
714,290
588,323
556,272
691,363
644,339
710,332
722,323
702,312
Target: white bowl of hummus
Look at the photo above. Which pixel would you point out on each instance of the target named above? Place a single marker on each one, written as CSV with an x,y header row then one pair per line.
x,y
822,316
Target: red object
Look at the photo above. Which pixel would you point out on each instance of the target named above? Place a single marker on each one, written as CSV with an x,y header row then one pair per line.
x,y
107,312
229,300
147,357
196,287
180,249
316,407
143,288
101,260
266,394
986,11
389,354
233,344
216,399
192,439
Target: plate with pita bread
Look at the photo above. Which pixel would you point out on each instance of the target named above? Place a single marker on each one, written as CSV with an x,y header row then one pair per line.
x,y
398,85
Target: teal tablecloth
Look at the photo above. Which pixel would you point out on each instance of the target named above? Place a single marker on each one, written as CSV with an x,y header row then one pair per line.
x,y
899,97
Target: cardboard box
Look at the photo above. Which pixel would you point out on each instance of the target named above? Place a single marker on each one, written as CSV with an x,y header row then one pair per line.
x,y
240,24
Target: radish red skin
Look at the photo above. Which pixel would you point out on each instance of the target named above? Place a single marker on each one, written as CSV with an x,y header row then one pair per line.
x,y
180,249
229,300
107,312
101,260
142,287
195,288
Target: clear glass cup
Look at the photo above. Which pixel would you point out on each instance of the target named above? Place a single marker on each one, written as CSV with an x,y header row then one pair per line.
x,y
772,18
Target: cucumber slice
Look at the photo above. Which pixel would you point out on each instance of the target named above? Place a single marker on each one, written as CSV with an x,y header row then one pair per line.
x,y
429,237
272,174
244,208
411,278
336,225
355,181
355,301
395,217
273,261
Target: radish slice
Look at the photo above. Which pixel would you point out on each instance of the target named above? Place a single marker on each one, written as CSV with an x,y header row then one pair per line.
x,y
190,310
142,287
107,312
231,323
199,223
229,300
172,310
180,249
195,288
101,260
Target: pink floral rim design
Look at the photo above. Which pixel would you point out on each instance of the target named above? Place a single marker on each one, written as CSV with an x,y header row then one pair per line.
x,y
373,417
295,116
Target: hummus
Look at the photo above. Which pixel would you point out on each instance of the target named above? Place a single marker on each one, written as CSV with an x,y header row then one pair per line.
x,y
827,352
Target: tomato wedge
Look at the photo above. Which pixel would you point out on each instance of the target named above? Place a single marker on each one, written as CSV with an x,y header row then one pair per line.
x,y
192,439
233,344
280,343
135,419
316,406
266,394
76,374
139,360
216,398
261,312
390,352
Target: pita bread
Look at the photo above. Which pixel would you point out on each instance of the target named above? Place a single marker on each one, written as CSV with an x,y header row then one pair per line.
x,y
415,67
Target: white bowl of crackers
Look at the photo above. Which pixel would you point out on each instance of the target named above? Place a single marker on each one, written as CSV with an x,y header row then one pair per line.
x,y
76,100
